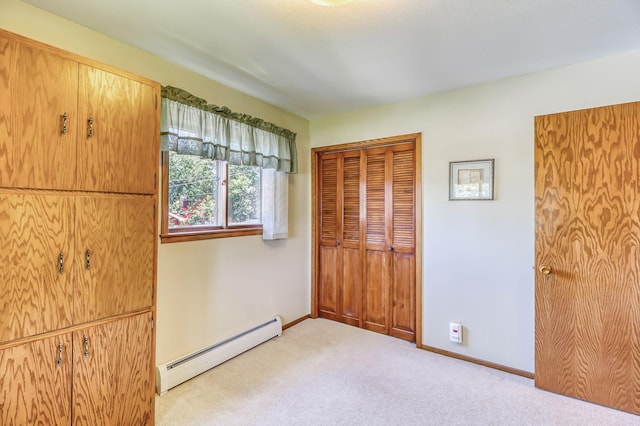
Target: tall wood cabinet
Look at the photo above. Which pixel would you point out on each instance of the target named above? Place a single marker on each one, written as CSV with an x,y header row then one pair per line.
x,y
365,249
79,145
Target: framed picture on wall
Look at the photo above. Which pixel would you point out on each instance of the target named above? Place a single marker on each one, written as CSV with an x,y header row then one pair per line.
x,y
471,180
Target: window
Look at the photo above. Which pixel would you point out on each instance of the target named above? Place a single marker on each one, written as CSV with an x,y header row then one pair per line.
x,y
209,198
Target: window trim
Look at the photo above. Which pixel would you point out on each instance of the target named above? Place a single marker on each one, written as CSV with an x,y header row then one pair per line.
x,y
200,233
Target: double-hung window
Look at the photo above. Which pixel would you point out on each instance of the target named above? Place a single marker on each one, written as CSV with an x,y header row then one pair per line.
x,y
219,171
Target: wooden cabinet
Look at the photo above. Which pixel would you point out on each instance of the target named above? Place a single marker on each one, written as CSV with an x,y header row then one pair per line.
x,y
35,382
36,255
77,225
66,124
116,133
366,252
114,245
113,382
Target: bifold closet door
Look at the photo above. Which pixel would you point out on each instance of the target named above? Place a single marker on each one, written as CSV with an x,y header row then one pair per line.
x,y
389,278
339,251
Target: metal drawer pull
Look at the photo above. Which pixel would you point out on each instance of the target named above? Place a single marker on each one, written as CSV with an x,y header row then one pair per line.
x,y
61,263
59,360
86,346
88,256
90,121
64,123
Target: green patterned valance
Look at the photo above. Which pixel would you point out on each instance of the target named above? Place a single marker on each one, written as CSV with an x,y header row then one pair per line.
x,y
189,125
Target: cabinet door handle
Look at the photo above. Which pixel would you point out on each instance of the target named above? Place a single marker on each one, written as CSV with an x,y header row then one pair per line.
x,y
59,360
90,121
64,123
86,346
61,263
88,257
390,249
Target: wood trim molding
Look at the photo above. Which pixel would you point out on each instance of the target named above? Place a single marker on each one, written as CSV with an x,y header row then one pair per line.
x,y
372,143
294,322
488,364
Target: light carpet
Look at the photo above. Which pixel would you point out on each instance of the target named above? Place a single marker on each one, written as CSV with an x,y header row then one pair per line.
x,y
321,372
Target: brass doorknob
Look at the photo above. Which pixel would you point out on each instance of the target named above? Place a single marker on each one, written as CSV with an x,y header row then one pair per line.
x,y
544,269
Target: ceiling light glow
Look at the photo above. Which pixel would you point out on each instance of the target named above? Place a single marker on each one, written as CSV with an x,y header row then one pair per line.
x,y
331,3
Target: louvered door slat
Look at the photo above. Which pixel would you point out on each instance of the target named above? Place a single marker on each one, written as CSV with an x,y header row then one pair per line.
x,y
375,199
403,200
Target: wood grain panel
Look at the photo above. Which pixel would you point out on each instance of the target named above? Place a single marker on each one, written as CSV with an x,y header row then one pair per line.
x,y
119,232
403,295
351,199
375,191
112,376
595,299
376,291
38,88
7,63
327,282
125,133
34,296
328,198
403,199
34,388
554,173
351,294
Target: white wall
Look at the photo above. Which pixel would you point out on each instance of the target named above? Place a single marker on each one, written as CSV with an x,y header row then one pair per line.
x,y
478,255
206,291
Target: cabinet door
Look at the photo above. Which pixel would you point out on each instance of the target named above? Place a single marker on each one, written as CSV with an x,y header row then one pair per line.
x,y
112,375
115,256
35,295
119,149
38,88
35,383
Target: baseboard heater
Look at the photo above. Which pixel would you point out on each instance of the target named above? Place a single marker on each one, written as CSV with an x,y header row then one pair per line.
x,y
180,370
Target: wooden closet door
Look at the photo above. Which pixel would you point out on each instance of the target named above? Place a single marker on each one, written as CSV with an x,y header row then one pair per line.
x,y
330,230
35,383
403,243
112,375
588,255
119,233
390,269
37,88
121,155
339,279
35,295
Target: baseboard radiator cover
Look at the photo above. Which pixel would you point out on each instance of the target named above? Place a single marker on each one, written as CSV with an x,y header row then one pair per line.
x,y
182,369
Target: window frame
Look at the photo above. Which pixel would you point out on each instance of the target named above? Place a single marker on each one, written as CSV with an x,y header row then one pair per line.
x,y
182,234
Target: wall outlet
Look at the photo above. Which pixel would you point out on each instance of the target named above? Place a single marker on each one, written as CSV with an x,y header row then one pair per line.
x,y
455,332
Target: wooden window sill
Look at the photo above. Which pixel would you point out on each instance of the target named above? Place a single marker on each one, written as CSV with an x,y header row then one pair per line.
x,y
178,237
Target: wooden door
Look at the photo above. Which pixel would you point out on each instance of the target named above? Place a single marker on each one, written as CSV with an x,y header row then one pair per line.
x,y
35,383
117,233
112,375
37,142
35,291
339,272
390,269
588,255
118,150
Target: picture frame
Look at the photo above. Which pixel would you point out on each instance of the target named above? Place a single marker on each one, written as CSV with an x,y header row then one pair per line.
x,y
471,180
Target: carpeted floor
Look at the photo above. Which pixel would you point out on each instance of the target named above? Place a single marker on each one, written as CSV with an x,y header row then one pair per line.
x,y
321,372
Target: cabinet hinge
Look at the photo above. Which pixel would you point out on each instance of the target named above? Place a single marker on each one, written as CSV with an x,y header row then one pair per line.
x,y
152,323
155,180
156,102
154,212
153,291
